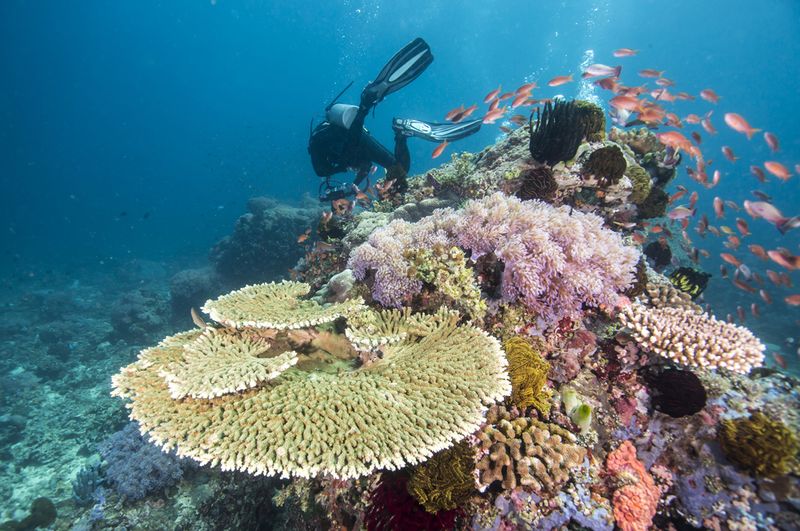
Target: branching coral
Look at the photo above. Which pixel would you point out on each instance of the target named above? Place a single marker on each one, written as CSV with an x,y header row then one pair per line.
x,y
528,372
525,452
446,480
557,132
222,361
759,444
424,394
697,340
276,306
636,494
446,270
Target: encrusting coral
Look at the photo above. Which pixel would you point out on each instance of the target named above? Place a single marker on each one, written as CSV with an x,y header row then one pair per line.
x,y
222,361
528,372
696,340
607,164
525,452
636,494
276,306
425,393
762,445
446,480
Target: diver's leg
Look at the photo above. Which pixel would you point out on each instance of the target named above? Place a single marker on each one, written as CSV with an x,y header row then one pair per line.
x,y
401,153
371,149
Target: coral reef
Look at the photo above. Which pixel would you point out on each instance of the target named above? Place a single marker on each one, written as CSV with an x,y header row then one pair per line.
x,y
445,481
520,451
593,119
759,444
528,372
259,250
642,184
391,506
275,306
606,164
135,467
138,315
424,394
189,289
635,494
697,340
537,183
654,205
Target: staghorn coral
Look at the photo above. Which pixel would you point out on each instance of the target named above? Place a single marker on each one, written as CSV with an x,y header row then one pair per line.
x,y
276,306
445,481
696,340
425,393
528,372
537,183
223,361
447,271
607,165
556,132
665,295
525,452
636,494
759,444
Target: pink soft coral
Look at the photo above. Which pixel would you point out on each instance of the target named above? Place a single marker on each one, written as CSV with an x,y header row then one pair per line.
x,y
636,501
554,259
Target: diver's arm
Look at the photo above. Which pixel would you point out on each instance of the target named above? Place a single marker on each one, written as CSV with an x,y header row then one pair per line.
x,y
356,129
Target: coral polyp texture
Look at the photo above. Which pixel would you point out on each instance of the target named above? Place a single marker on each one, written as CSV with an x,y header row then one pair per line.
x,y
446,480
528,372
636,494
426,393
223,361
696,340
274,305
520,451
555,260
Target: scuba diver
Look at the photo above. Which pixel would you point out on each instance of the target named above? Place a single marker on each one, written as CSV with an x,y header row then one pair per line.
x,y
341,142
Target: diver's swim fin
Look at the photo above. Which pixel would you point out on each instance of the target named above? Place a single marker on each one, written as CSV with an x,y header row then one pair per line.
x,y
402,69
435,132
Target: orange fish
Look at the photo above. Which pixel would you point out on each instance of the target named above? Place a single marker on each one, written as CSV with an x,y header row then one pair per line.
x,y
774,277
758,250
780,360
627,103
303,237
664,82
709,95
468,111
728,152
439,149
732,260
706,123
744,286
692,119
744,229
758,173
649,72
784,260
792,300
493,94
677,195
733,242
519,100
778,170
559,80
625,52
525,89
454,112
754,310
495,103
505,96
765,296
772,141
491,116
740,125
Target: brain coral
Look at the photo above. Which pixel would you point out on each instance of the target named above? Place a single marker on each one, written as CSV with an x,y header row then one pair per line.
x,y
697,340
424,394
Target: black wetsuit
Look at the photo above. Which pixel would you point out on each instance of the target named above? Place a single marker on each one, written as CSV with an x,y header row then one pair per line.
x,y
334,149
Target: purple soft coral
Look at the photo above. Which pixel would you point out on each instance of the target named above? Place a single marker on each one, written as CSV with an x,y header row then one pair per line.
x,y
555,259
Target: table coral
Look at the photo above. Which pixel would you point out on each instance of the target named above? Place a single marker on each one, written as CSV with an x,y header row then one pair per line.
x,y
424,394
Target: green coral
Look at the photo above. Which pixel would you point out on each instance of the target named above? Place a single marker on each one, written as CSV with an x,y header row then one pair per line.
x,y
593,118
759,444
528,372
446,480
607,164
655,205
453,174
641,183
447,271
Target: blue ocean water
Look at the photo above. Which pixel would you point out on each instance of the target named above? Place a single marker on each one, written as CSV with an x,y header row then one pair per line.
x,y
135,132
